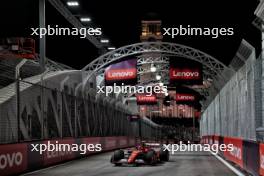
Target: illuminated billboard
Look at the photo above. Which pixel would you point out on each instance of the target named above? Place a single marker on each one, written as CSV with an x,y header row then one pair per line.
x,y
146,99
184,71
180,97
122,72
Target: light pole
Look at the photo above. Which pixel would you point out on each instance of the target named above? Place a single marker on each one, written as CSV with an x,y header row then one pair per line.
x,y
42,40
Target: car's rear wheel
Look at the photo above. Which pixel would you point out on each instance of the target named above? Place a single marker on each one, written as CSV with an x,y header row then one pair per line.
x,y
151,157
164,155
118,164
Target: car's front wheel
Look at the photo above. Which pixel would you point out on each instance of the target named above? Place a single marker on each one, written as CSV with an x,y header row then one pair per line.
x,y
118,155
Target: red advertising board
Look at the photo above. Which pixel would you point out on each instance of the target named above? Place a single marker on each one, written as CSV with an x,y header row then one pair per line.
x,y
90,142
132,141
210,140
184,97
123,141
197,114
216,139
120,74
110,143
185,74
236,155
53,154
146,99
13,158
261,159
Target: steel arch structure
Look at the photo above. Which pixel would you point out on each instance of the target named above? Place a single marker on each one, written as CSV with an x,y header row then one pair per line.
x,y
210,64
158,47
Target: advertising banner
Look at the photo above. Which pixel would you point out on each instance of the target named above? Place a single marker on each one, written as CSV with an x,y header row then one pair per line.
x,y
146,99
110,143
18,158
91,142
197,114
236,155
123,141
132,141
183,97
185,74
53,155
122,72
216,139
261,159
184,71
13,158
35,159
186,95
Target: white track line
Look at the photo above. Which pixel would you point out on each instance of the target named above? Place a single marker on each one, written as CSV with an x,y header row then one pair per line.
x,y
235,170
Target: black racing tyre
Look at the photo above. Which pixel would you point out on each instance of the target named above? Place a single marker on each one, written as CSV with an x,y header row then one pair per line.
x,y
151,157
118,164
164,155
118,155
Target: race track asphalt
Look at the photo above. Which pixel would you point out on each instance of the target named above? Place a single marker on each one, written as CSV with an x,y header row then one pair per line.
x,y
180,164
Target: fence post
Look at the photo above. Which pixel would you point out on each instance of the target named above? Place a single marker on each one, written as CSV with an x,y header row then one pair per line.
x,y
76,109
42,104
18,107
62,83
17,77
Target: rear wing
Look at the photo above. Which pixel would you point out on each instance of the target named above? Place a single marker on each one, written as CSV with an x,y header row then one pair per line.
x,y
153,144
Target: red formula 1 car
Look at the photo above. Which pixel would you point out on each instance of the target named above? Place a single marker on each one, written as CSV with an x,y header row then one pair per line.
x,y
146,153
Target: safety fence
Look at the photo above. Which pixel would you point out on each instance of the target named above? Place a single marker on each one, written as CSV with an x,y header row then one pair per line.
x,y
46,112
247,155
237,110
19,158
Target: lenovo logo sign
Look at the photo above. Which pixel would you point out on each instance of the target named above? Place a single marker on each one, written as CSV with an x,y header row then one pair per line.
x,y
144,98
10,160
55,154
185,74
185,97
121,74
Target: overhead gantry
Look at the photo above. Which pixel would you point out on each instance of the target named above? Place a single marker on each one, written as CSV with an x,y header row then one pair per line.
x,y
213,70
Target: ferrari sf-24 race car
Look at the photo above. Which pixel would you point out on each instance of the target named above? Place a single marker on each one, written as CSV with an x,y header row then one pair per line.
x,y
146,153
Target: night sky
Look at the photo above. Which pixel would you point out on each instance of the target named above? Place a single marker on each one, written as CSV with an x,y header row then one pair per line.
x,y
121,20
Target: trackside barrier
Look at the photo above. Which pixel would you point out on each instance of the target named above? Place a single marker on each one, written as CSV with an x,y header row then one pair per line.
x,y
18,158
236,155
248,155
261,159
